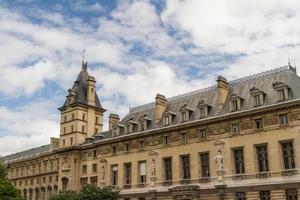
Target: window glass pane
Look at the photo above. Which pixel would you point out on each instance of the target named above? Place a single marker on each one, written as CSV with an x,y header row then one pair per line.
x,y
142,168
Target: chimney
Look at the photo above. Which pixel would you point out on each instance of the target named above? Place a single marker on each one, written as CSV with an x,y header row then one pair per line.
x,y
113,119
91,90
222,88
54,143
160,107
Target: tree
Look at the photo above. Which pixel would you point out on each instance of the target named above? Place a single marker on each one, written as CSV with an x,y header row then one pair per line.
x,y
7,190
88,193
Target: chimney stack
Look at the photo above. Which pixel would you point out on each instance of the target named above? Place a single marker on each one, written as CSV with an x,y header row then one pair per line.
x,y
222,88
160,107
113,119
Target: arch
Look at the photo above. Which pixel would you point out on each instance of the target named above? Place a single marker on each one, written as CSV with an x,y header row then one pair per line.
x,y
25,193
30,193
49,191
37,194
43,192
55,189
65,183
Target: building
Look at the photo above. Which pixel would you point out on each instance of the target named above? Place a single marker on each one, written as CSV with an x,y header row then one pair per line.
x,y
235,140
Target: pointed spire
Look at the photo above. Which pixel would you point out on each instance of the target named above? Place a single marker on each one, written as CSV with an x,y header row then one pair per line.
x,y
84,64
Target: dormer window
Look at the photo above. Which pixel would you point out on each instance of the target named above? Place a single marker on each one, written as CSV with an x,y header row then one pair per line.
x,y
282,91
144,123
203,109
185,113
258,97
131,126
116,129
235,103
168,118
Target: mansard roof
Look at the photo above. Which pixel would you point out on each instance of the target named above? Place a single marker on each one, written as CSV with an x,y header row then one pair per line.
x,y
80,88
27,154
240,87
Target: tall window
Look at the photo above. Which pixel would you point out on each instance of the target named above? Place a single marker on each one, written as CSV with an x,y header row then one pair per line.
x,y
114,173
240,196
127,171
185,163
84,169
167,120
94,153
93,181
283,119
259,123
291,194
166,139
238,155
264,195
94,168
142,172
234,105
202,134
202,112
262,158
235,128
281,95
204,159
257,101
183,116
183,137
168,169
288,155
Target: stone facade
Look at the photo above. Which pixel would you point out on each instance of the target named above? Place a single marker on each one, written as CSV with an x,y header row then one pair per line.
x,y
235,140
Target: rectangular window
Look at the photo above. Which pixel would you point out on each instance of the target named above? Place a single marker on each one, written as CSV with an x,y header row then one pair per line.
x,y
71,141
142,144
259,123
142,125
240,196
291,194
257,101
84,155
84,169
262,158
185,163
235,128
127,147
94,168
283,119
127,170
166,139
234,105
128,128
167,120
84,182
168,169
238,155
202,134
281,95
83,117
204,159
202,112
94,181
183,137
288,155
94,153
114,149
183,116
264,195
114,173
142,172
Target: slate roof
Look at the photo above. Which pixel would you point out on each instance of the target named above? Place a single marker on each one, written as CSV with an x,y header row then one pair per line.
x,y
31,153
241,87
80,88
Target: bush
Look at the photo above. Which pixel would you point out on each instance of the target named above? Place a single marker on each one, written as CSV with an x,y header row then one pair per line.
x,y
88,193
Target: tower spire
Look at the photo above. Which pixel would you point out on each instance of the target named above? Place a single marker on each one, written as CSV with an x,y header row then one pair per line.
x,y
84,64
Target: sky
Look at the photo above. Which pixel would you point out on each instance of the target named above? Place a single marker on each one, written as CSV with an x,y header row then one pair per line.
x,y
134,49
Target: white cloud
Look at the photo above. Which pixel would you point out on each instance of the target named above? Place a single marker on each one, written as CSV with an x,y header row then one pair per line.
x,y
28,126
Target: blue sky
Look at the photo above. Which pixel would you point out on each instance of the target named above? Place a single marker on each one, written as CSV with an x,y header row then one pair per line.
x,y
135,49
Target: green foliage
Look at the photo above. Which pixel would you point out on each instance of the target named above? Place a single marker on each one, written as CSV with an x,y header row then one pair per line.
x,y
69,195
8,191
3,171
88,193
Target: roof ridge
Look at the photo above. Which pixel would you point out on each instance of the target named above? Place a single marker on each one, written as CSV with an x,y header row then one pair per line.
x,y
207,89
